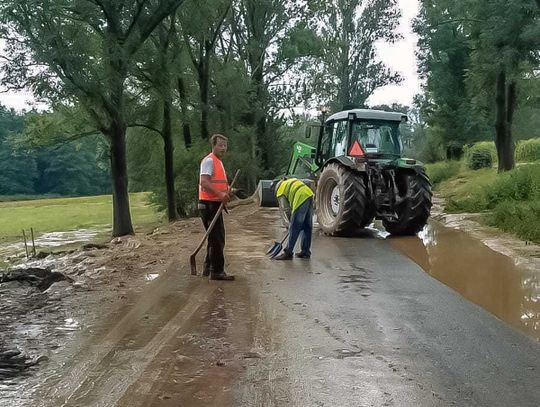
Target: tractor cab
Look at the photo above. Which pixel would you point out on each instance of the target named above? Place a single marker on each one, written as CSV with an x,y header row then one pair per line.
x,y
360,133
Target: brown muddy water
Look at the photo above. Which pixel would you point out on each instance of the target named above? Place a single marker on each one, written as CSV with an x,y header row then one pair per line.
x,y
482,275
11,252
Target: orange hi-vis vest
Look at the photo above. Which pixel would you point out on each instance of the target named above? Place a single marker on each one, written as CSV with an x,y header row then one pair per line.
x,y
218,180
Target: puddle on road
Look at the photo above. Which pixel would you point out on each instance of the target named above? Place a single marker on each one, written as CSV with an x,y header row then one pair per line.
x,y
481,275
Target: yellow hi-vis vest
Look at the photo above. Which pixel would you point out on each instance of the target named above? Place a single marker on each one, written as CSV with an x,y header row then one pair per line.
x,y
295,191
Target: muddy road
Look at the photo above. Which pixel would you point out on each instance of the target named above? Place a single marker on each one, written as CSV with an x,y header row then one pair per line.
x,y
360,324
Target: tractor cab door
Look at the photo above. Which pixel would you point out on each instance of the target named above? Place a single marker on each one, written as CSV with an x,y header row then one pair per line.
x,y
341,138
334,141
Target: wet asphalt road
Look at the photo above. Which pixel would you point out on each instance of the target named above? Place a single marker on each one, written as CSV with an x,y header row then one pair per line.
x,y
360,324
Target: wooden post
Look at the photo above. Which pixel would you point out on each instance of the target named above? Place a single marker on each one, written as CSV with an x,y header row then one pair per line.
x,y
25,245
33,243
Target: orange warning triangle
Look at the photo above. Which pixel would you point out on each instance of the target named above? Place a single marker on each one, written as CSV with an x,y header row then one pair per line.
x,y
356,150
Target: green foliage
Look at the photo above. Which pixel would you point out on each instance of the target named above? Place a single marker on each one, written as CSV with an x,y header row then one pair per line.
x,y
145,160
521,184
528,150
75,168
441,171
463,47
187,178
349,71
480,155
17,168
427,147
521,218
480,159
444,55
511,199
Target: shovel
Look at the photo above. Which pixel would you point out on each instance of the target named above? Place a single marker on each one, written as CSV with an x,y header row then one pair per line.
x,y
192,258
276,247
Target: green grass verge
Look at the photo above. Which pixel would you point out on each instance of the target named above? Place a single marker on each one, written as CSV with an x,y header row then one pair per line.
x,y
511,200
441,171
62,214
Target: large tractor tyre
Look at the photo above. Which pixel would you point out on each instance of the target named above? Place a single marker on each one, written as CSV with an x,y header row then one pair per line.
x,y
342,202
414,204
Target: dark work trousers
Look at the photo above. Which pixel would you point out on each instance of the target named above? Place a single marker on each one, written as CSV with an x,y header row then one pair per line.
x,y
301,222
214,263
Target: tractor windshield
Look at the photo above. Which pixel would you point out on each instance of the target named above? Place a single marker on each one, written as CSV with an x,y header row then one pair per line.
x,y
377,137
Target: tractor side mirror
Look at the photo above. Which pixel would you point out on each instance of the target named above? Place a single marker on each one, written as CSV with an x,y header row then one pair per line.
x,y
308,131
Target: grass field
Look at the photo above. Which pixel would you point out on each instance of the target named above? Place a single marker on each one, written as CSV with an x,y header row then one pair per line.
x,y
63,214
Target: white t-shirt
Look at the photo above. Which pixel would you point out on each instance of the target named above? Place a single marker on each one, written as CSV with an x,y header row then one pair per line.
x,y
207,166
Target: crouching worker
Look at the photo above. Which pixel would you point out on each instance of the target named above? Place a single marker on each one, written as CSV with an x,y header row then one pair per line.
x,y
298,197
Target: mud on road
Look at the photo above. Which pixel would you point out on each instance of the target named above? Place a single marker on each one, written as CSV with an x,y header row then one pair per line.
x,y
351,327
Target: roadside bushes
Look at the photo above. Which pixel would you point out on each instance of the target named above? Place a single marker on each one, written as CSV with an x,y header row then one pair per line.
x,y
528,150
480,155
441,171
521,184
484,154
521,218
512,199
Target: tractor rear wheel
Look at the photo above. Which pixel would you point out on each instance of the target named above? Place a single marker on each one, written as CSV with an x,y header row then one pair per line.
x,y
342,203
414,204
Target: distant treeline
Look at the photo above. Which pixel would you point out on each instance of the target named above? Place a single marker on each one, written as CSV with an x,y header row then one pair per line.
x,y
71,169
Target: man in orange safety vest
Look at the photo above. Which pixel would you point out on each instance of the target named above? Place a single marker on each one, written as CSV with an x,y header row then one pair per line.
x,y
213,190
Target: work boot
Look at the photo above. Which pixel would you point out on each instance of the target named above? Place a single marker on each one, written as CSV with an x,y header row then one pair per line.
x,y
221,277
301,255
284,256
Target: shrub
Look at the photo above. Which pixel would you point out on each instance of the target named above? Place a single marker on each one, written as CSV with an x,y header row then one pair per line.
x,y
522,218
442,171
512,199
480,159
480,155
528,150
521,184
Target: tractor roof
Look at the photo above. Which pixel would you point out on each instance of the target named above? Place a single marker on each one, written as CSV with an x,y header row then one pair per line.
x,y
369,114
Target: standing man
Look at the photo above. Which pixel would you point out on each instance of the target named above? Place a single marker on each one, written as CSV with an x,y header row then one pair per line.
x,y
213,190
294,194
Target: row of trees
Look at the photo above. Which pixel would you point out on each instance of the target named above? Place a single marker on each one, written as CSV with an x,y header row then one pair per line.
x,y
178,70
76,168
480,61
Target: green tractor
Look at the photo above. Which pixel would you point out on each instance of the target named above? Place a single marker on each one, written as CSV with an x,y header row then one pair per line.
x,y
360,174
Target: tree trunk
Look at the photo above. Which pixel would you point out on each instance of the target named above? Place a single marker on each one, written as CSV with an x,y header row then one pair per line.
x,y
508,146
168,148
121,214
186,131
204,84
505,101
259,119
344,92
500,117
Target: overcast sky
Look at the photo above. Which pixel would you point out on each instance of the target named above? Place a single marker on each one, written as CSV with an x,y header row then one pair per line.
x,y
399,56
